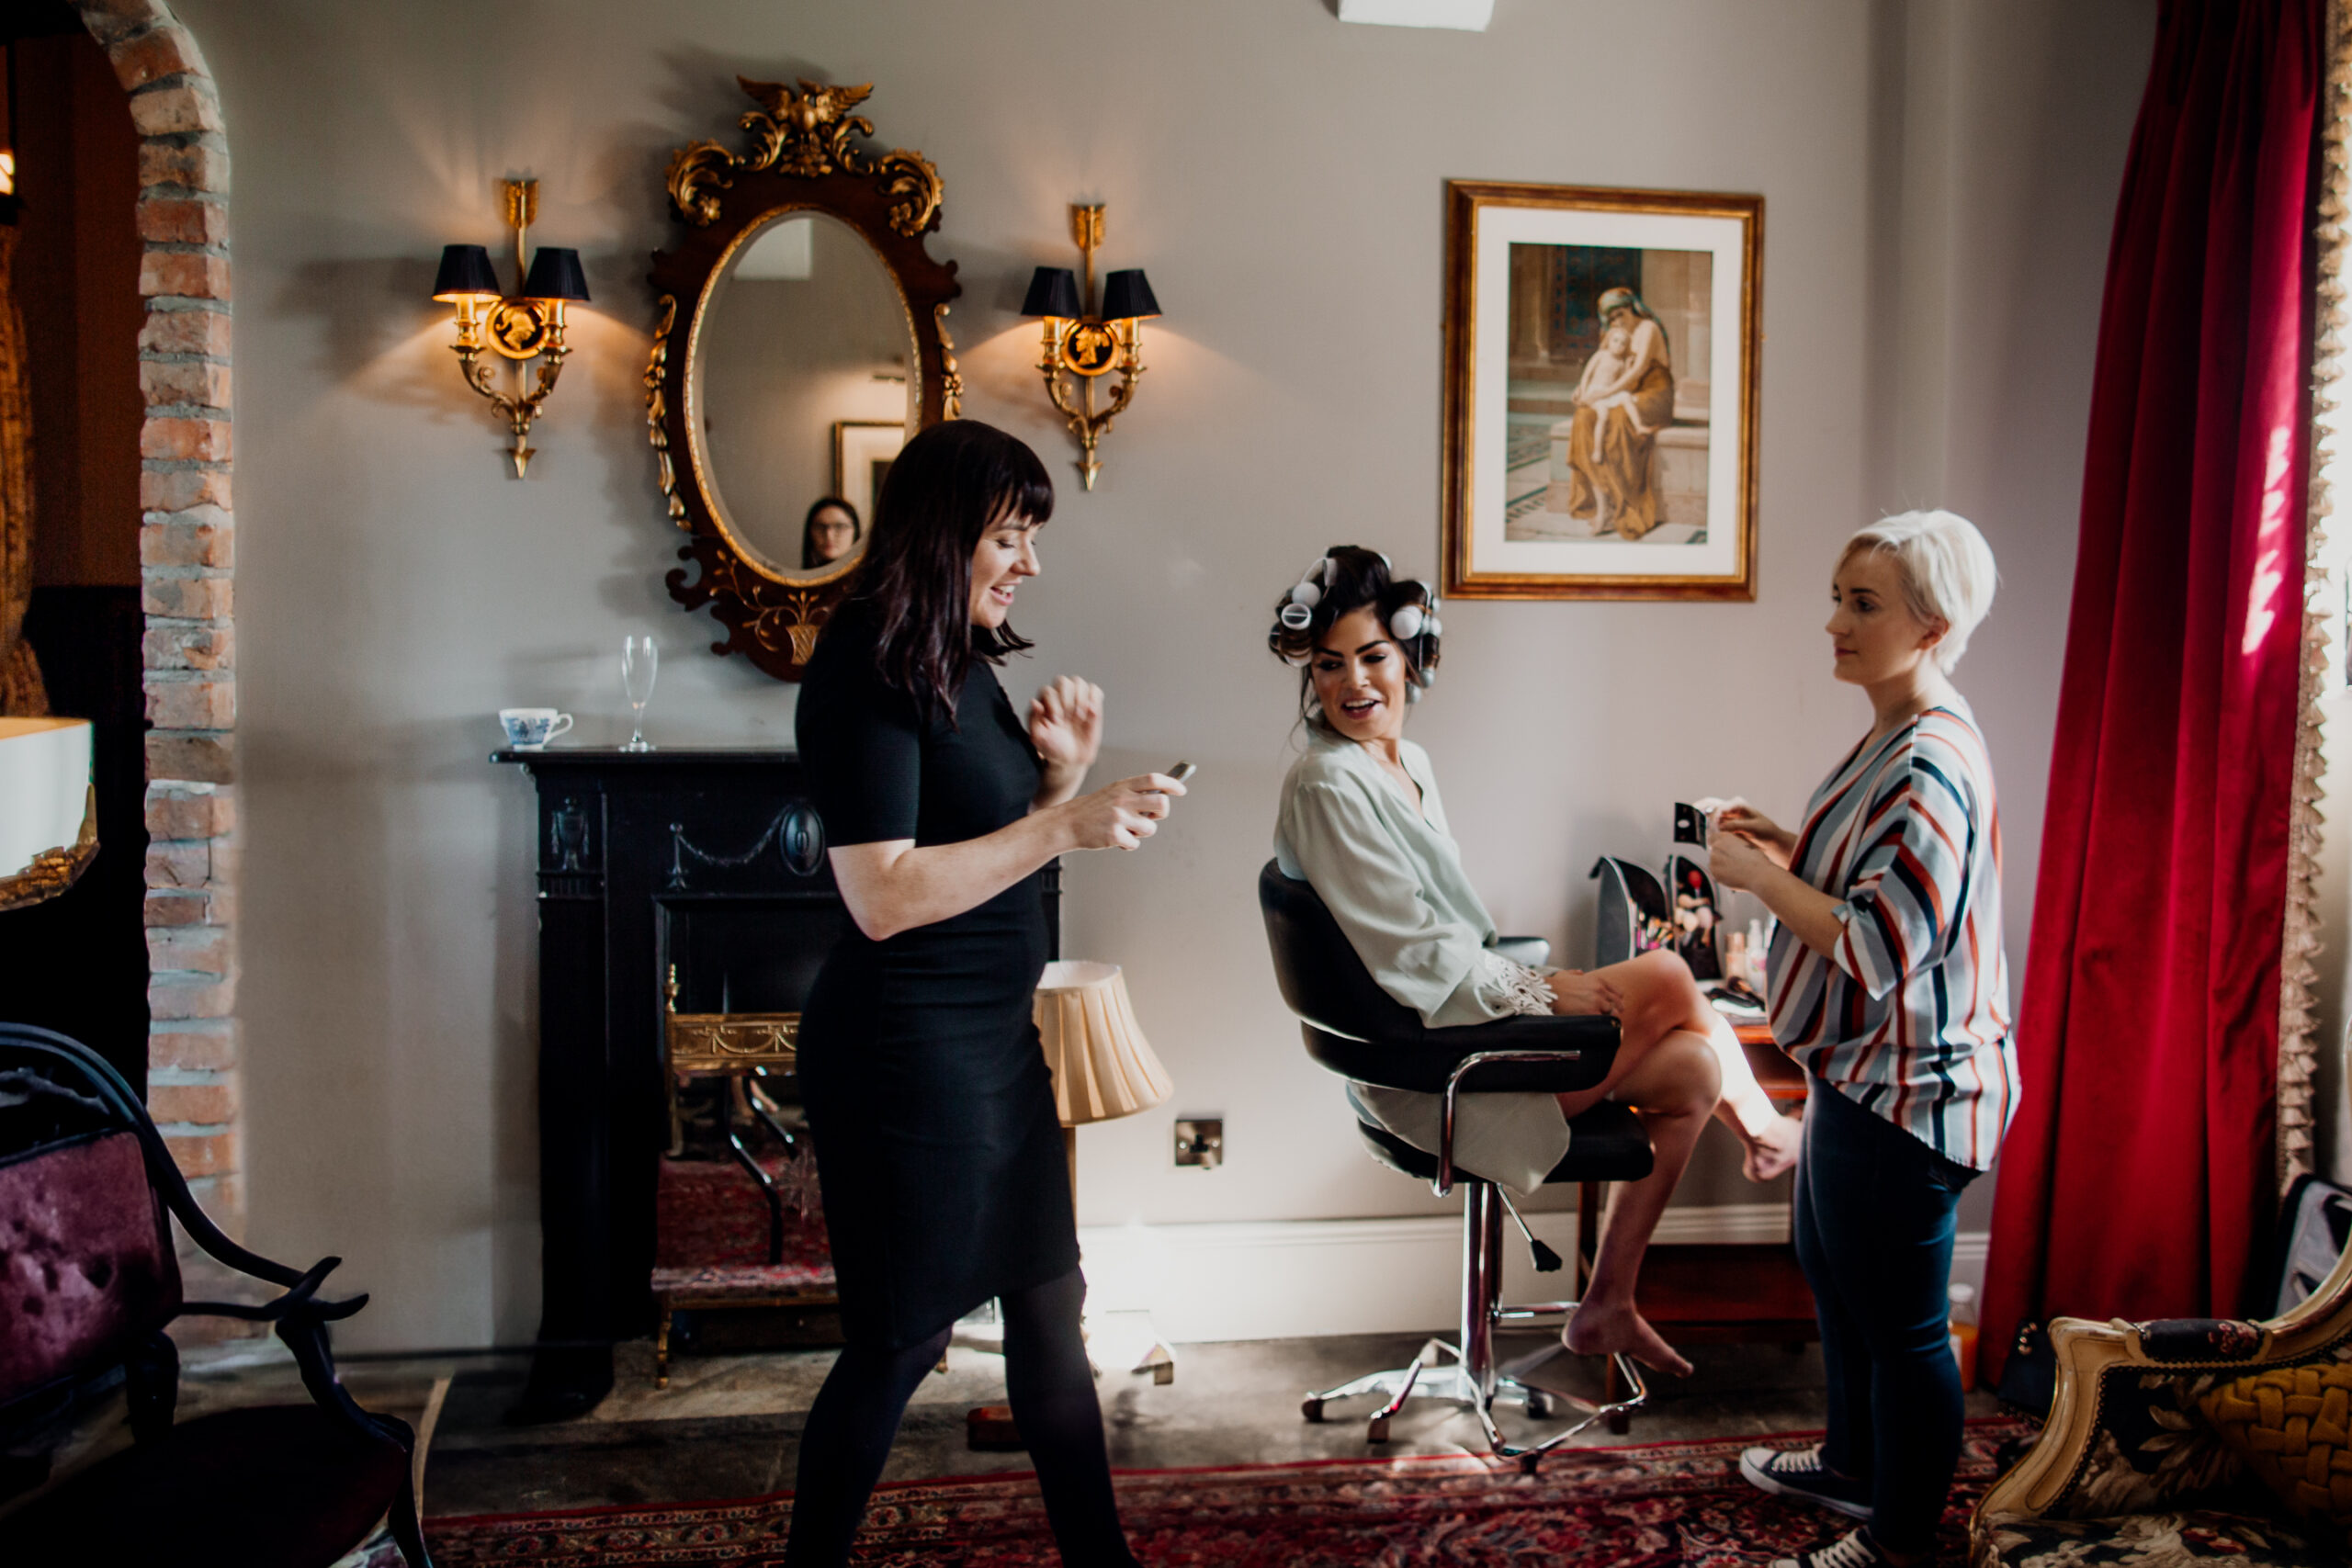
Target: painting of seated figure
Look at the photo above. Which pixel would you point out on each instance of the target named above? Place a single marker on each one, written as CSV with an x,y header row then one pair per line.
x,y
1612,387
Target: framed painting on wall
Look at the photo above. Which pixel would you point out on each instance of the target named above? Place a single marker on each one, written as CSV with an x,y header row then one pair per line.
x,y
862,452
1601,378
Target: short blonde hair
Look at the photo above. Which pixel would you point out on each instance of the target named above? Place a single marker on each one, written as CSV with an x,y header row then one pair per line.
x,y
1946,568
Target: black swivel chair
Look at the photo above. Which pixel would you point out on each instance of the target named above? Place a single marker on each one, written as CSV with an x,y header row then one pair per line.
x,y
1358,1031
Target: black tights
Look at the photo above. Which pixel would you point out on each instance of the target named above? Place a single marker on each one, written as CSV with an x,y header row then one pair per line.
x,y
1052,1387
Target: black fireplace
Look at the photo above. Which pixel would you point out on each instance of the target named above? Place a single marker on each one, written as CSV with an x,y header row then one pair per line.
x,y
710,865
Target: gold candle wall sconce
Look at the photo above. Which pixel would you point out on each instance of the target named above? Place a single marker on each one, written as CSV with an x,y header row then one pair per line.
x,y
520,328
1083,344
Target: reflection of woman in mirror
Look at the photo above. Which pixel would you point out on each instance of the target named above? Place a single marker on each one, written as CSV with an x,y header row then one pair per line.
x,y
1360,820
1624,398
831,532
930,1105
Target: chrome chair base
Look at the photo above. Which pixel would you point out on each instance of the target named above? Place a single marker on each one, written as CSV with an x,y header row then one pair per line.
x,y
1465,1374
1439,1373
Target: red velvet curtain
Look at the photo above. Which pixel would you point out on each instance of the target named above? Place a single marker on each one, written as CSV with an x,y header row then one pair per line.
x,y
2138,1181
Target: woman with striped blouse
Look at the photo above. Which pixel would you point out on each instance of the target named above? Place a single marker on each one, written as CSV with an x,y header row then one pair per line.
x,y
1888,984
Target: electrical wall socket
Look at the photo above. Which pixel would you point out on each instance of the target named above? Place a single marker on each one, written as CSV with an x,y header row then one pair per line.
x,y
1200,1141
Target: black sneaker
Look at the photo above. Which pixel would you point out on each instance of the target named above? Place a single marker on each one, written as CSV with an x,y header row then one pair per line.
x,y
1856,1550
1799,1472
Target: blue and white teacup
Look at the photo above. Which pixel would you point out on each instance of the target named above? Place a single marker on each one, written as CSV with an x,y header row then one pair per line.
x,y
528,729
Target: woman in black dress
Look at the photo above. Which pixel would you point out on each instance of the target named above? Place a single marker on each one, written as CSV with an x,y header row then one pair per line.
x,y
928,1100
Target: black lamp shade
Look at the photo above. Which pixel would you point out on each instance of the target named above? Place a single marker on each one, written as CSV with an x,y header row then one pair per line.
x,y
465,272
1126,296
1053,291
555,275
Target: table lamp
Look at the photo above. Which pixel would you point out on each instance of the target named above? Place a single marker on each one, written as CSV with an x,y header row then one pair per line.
x,y
48,814
1103,1068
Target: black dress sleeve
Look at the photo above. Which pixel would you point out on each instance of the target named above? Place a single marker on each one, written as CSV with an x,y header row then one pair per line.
x,y
861,745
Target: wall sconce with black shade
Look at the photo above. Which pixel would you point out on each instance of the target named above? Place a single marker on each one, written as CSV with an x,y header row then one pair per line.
x,y
1086,344
527,326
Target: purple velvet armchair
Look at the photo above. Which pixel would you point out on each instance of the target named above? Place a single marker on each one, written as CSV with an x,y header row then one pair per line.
x,y
89,1282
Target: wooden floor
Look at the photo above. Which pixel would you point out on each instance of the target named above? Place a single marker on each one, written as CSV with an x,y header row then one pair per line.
x,y
729,1425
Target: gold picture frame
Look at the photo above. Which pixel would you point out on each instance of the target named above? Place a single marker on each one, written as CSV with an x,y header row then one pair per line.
x,y
1592,455
862,452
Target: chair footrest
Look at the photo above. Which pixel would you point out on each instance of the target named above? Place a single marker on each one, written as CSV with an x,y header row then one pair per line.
x,y
1605,1144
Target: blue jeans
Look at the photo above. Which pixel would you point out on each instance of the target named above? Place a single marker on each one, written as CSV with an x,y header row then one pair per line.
x,y
1875,1209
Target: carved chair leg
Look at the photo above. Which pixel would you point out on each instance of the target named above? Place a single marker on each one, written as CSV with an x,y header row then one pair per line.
x,y
661,1348
408,1533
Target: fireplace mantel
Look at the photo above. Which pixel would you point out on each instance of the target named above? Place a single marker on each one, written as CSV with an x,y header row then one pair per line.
x,y
647,860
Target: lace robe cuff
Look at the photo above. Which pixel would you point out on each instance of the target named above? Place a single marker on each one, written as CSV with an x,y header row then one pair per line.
x,y
1512,987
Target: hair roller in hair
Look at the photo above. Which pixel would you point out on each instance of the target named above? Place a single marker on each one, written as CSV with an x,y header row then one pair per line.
x,y
1407,623
1307,595
1296,617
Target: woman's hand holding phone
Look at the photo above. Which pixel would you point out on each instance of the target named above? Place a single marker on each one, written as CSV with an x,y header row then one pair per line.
x,y
1123,815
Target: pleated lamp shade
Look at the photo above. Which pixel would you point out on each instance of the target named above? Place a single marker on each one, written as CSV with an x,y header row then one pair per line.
x,y
1103,1068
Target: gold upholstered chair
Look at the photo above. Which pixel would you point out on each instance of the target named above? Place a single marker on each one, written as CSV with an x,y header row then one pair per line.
x,y
2186,1441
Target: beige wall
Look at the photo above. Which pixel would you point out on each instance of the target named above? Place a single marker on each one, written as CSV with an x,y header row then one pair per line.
x,y
1938,187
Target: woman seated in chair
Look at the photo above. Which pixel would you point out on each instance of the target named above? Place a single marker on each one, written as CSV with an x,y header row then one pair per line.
x,y
1361,821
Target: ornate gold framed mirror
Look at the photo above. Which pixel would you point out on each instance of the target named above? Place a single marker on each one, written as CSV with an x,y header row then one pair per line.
x,y
799,303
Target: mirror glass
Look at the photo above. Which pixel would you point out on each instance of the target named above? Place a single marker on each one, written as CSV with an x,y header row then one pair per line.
x,y
804,389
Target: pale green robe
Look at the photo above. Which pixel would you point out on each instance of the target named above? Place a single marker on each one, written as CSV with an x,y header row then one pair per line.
x,y
1392,877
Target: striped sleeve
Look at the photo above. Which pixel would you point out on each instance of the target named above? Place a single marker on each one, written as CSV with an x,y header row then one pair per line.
x,y
1907,887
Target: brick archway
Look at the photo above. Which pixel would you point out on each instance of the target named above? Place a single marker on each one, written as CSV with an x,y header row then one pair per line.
x,y
186,539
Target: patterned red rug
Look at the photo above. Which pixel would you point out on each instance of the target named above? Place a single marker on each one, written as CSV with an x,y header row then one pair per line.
x,y
1663,1506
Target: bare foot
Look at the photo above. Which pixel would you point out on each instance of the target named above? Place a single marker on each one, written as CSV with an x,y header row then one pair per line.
x,y
1774,1150
1596,1330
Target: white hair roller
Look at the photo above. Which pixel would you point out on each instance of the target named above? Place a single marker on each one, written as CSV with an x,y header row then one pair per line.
x,y
1435,627
1296,617
1297,661
1405,623
1307,595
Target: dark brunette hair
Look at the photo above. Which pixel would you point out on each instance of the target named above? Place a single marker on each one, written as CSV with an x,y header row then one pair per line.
x,y
947,488
808,555
1349,578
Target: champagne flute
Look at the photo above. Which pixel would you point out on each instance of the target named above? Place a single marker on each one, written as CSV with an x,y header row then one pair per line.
x,y
640,659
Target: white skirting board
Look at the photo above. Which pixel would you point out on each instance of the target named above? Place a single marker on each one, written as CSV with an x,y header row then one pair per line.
x,y
1292,1278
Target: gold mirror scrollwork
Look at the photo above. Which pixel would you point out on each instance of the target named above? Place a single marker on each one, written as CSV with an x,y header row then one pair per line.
x,y
807,153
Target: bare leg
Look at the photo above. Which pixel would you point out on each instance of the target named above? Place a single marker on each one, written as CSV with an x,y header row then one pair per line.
x,y
1660,997
1677,1063
1671,1086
